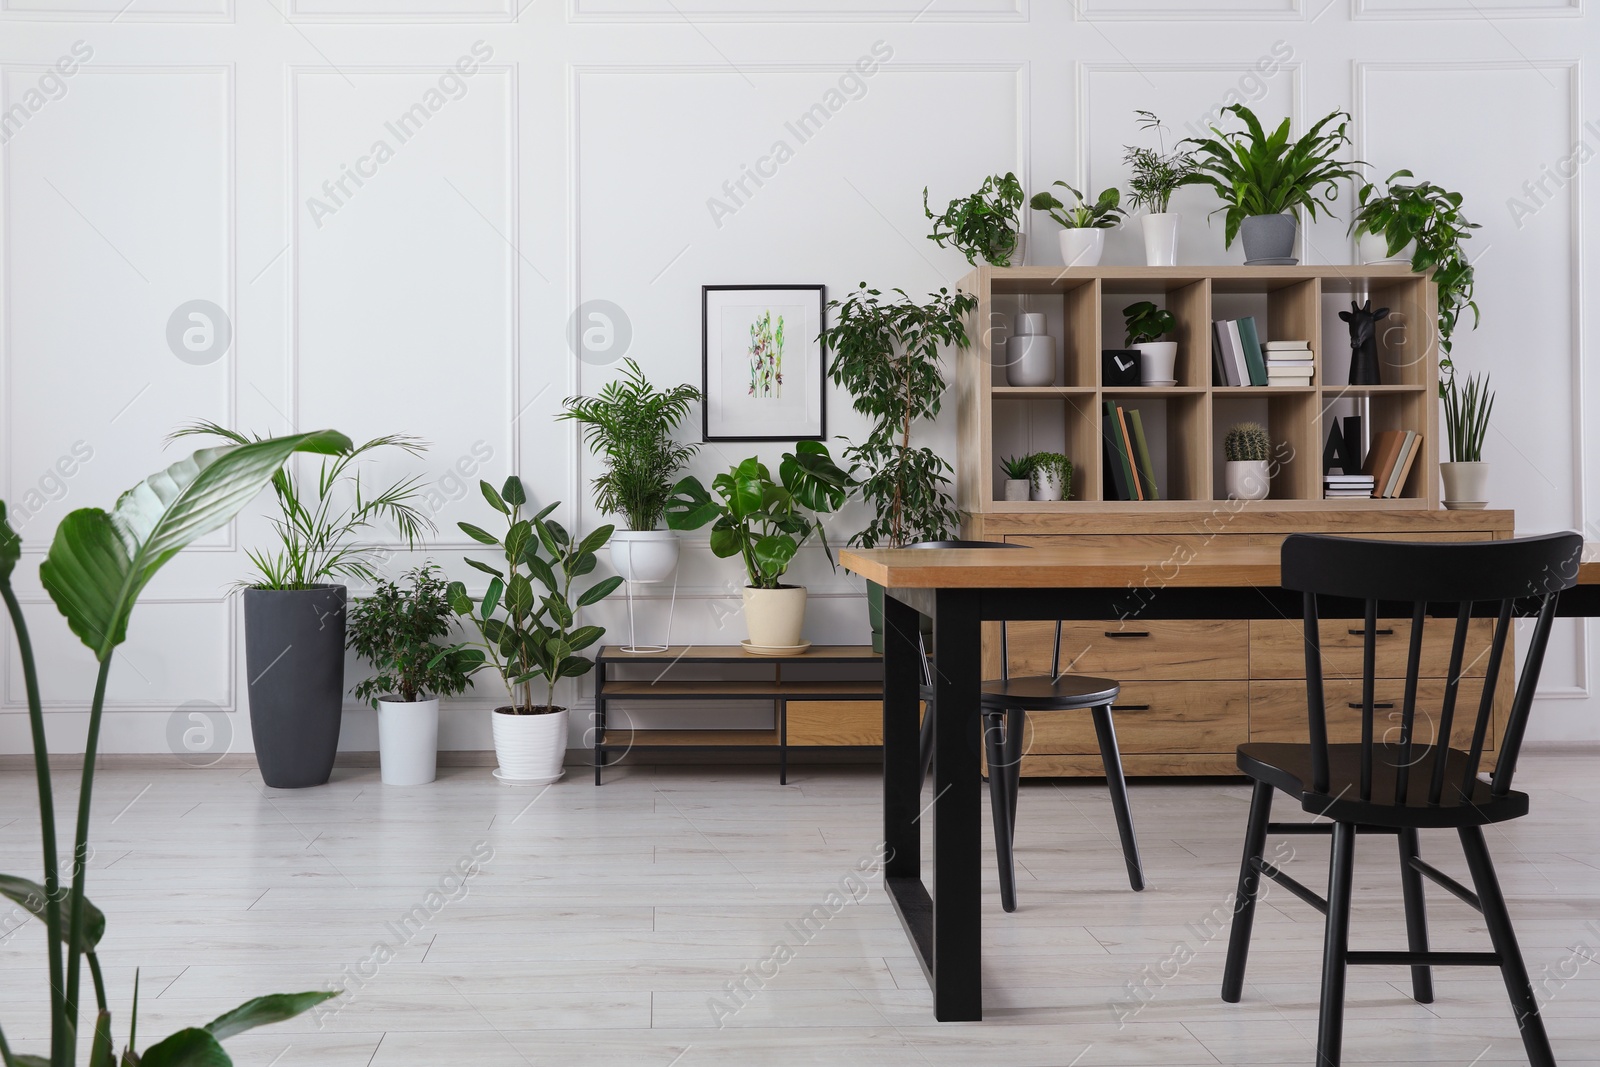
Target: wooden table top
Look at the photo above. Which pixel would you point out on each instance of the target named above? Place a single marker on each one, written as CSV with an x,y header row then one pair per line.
x,y
1088,568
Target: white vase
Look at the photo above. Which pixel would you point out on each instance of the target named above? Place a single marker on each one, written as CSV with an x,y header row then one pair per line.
x,y
1082,246
1248,479
1466,485
530,748
775,617
1374,248
1158,361
1046,485
1161,239
644,556
1030,352
1017,488
408,741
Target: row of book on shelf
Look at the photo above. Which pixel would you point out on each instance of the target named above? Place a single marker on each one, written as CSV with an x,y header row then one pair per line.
x,y
1129,472
1383,474
1240,357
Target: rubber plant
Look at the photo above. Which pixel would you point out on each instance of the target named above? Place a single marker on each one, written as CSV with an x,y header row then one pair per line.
x,y
94,571
886,355
983,223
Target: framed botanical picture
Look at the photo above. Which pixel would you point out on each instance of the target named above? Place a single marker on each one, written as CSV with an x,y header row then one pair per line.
x,y
761,362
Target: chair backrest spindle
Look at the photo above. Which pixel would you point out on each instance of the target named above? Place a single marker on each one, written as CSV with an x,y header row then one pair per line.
x,y
1447,713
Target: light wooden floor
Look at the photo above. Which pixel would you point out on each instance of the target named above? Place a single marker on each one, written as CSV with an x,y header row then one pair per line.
x,y
608,923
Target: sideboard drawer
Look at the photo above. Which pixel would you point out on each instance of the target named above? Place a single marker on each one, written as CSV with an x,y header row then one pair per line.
x,y
1277,648
1151,717
1154,650
1278,711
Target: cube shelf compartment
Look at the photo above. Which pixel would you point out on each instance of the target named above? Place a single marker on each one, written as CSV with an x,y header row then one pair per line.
x,y
1185,423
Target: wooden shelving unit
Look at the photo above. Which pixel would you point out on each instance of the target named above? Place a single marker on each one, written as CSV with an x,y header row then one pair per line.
x,y
1186,422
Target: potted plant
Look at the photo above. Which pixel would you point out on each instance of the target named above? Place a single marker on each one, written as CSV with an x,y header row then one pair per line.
x,y
1247,448
1050,476
1018,471
887,356
764,523
1264,179
95,569
395,630
1147,325
1084,224
1156,174
983,224
530,637
294,606
631,423
1466,422
1421,223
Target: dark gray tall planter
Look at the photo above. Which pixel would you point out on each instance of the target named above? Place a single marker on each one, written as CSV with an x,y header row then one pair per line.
x,y
294,653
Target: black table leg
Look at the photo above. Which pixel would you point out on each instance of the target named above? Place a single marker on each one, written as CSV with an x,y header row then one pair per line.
x,y
956,812
902,779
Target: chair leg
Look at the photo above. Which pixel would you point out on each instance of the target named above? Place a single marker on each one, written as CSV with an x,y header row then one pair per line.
x,y
1336,945
1000,807
1523,1002
1111,759
1416,914
1244,901
1016,727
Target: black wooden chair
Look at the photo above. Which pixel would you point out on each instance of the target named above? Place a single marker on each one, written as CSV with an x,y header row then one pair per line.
x,y
1399,788
1004,707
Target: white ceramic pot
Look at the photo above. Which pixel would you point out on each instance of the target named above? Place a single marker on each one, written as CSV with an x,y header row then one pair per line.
x,y
644,556
1161,239
1248,479
1030,352
408,741
1017,488
1466,485
1046,485
530,748
1082,246
775,617
1158,361
1374,248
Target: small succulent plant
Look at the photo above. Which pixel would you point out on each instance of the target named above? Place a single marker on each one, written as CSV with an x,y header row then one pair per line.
x,y
1017,467
1247,441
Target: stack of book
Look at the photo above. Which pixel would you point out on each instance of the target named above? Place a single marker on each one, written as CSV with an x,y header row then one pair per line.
x,y
1129,473
1389,462
1288,362
1236,357
1341,486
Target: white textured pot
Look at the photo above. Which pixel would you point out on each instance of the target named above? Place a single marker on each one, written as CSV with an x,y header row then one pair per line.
x,y
1466,485
644,556
1158,361
1161,239
1017,488
1374,248
1082,246
530,748
1046,485
1030,352
408,741
775,617
1248,479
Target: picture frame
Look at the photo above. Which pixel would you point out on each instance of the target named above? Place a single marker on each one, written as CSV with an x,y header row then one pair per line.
x,y
762,370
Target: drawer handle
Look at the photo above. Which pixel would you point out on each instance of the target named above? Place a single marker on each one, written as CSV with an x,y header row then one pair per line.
x,y
1127,633
1385,632
1130,707
1357,704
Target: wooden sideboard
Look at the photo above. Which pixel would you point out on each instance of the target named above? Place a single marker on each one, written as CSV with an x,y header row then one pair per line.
x,y
1193,690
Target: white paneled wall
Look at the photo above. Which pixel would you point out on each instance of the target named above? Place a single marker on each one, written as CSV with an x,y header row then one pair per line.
x,y
399,205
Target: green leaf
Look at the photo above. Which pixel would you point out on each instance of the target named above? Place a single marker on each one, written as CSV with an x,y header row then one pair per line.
x,y
493,498
584,636
726,542
520,599
478,534
596,540
264,1011
774,553
10,546
491,597
34,899
479,565
30,1061
100,1053
186,1048
690,506
559,609
98,563
574,667
460,602
599,591
541,569
559,533
582,565
514,492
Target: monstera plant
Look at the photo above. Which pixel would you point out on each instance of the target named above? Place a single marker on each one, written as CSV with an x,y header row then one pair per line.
x,y
94,572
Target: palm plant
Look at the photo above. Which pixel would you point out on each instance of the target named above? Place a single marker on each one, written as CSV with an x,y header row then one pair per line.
x,y
1257,173
631,423
886,355
317,539
1156,172
96,567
